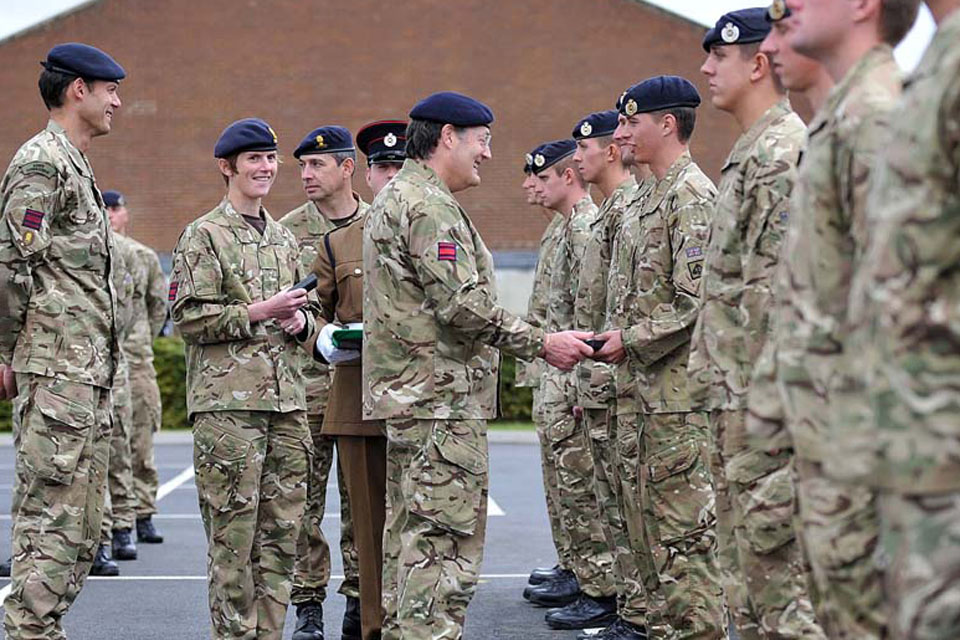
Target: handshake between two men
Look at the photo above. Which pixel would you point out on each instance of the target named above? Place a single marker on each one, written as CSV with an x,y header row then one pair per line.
x,y
566,348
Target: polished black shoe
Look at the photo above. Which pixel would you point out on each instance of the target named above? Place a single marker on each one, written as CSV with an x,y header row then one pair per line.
x,y
542,574
146,532
351,620
5,568
123,546
584,612
556,593
619,630
309,622
103,565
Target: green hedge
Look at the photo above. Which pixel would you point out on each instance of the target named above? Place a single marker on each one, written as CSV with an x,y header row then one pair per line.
x,y
171,376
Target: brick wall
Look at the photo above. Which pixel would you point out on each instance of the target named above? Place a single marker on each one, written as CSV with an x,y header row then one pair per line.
x,y
194,66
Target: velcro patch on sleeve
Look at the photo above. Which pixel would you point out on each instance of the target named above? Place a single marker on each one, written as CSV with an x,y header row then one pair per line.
x,y
694,252
447,251
33,219
696,269
37,168
174,287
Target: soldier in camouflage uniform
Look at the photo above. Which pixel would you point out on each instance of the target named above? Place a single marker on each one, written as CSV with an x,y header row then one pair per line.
x,y
903,314
233,303
562,189
529,375
327,158
600,162
59,349
763,570
119,510
837,522
149,315
653,301
432,327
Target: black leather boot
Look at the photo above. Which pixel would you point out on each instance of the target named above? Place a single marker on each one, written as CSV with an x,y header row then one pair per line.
x,y
309,622
619,630
146,532
585,612
123,546
555,593
543,574
103,565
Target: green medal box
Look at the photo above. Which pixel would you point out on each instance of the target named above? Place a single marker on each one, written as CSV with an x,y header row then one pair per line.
x,y
348,339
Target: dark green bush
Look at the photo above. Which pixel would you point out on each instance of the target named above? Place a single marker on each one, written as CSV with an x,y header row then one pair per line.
x,y
171,376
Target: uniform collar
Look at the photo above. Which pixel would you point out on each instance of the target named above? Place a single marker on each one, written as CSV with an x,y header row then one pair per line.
x,y
882,54
76,156
664,186
425,173
751,135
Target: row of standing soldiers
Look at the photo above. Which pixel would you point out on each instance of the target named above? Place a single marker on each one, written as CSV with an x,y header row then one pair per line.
x,y
767,437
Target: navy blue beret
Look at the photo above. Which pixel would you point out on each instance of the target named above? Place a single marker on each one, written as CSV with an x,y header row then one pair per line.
x,y
596,125
113,199
249,134
449,107
778,10
78,59
743,26
329,139
658,93
550,153
384,141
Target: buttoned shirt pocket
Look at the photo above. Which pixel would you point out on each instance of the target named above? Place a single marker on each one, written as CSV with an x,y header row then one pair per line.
x,y
349,290
56,425
81,241
447,482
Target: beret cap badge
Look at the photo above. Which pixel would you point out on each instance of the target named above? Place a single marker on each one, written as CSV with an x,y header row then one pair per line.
x,y
586,129
390,140
539,160
631,107
777,10
529,158
730,33
320,143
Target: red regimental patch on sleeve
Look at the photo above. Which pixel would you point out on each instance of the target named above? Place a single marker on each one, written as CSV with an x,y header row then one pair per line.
x,y
447,251
33,219
174,287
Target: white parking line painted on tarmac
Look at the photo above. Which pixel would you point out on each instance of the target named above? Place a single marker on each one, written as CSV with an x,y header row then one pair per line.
x,y
170,485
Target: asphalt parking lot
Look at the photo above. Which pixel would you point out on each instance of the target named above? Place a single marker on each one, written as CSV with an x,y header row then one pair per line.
x,y
162,594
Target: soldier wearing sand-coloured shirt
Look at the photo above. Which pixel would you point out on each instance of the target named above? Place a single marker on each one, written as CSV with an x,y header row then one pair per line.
x,y
327,159
562,189
432,330
764,580
599,162
59,348
902,347
838,524
149,316
234,305
653,297
529,374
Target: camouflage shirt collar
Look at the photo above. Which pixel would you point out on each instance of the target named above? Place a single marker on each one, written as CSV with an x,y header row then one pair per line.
x,y
235,219
76,156
751,135
879,55
623,194
423,172
664,186
583,205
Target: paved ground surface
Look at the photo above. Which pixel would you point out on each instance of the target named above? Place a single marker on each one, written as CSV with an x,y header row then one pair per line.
x,y
162,595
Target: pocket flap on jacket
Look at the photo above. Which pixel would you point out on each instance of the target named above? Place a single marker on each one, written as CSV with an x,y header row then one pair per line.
x,y
64,409
461,452
675,460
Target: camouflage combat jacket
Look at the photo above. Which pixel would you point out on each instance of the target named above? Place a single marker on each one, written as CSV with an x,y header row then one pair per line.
x,y
309,225
529,373
432,324
57,311
149,305
746,235
905,304
596,386
221,265
653,290
827,233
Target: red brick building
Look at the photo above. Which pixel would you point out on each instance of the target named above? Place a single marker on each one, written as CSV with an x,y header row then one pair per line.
x,y
194,66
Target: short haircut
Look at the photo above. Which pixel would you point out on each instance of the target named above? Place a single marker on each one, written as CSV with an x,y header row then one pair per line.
x,y
567,163
751,49
53,85
686,118
896,18
423,137
340,156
